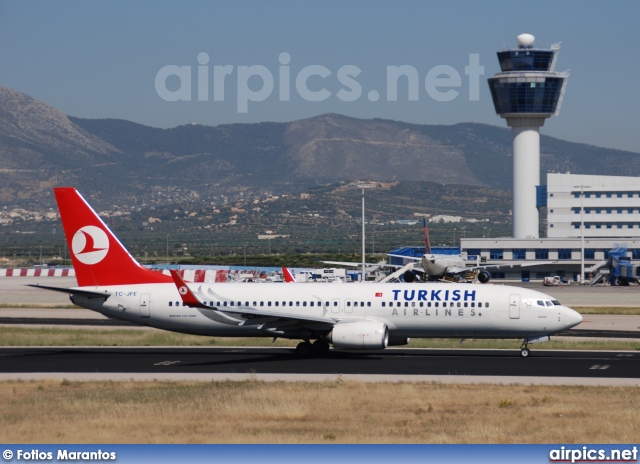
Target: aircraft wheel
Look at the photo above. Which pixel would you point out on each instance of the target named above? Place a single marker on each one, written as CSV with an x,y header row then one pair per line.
x,y
525,352
304,349
320,348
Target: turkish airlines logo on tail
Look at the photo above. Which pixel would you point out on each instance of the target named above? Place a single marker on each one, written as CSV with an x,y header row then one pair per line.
x,y
90,245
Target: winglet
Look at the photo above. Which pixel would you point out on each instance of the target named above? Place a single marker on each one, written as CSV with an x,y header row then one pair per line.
x,y
186,294
288,276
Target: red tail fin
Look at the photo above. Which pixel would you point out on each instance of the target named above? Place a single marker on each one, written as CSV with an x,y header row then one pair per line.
x,y
97,255
288,276
427,243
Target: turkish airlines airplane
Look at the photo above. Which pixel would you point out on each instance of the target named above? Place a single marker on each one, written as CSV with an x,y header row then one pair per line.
x,y
366,316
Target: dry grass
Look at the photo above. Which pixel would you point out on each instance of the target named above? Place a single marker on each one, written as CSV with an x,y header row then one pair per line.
x,y
330,412
56,336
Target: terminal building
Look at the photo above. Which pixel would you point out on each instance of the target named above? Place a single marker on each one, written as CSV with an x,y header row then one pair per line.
x,y
596,214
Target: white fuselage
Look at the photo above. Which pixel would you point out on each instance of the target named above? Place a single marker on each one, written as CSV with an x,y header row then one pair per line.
x,y
408,310
439,265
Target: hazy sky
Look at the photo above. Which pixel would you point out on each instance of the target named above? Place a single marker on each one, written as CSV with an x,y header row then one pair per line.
x,y
286,60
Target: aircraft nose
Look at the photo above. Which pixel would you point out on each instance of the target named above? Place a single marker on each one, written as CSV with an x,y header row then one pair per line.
x,y
572,318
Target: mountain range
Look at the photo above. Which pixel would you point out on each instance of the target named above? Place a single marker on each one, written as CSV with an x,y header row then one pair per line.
x,y
128,162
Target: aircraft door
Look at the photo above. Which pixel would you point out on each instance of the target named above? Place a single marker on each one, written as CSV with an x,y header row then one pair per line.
x,y
348,307
145,310
514,306
335,305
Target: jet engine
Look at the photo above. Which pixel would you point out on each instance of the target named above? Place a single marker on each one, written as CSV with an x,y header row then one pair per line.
x,y
360,335
484,277
409,277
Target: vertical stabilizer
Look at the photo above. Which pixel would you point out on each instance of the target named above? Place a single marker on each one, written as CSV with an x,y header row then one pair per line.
x,y
97,255
427,242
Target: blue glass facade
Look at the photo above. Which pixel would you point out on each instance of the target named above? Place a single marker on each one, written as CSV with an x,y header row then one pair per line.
x,y
512,94
525,60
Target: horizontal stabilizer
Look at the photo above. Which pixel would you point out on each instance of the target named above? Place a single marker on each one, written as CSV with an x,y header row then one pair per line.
x,y
73,291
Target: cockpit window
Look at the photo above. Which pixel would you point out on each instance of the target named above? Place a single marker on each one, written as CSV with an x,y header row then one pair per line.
x,y
540,303
548,303
556,302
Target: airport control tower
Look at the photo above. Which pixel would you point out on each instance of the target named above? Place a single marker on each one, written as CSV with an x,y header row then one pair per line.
x,y
525,93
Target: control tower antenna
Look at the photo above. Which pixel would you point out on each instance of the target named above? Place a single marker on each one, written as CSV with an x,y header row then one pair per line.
x,y
525,93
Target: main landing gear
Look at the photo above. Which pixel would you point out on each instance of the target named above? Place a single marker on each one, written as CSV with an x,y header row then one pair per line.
x,y
306,349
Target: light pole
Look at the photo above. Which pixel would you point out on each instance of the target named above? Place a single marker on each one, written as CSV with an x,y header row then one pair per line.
x,y
363,240
484,230
582,187
245,255
454,236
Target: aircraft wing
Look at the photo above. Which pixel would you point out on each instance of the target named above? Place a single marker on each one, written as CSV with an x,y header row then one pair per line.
x,y
413,258
458,270
191,300
352,264
85,293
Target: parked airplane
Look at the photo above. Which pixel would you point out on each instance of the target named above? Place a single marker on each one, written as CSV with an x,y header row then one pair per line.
x,y
438,266
350,317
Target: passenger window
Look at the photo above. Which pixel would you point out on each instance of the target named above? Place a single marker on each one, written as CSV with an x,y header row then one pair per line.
x,y
436,304
171,303
268,303
429,304
311,303
459,304
383,304
246,303
465,304
348,303
225,303
473,305
277,303
262,303
335,303
486,305
291,303
369,303
304,303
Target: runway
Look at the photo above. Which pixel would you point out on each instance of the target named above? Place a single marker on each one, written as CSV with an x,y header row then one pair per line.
x,y
573,367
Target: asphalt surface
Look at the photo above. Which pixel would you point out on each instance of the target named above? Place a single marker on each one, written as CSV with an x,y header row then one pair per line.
x,y
396,362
